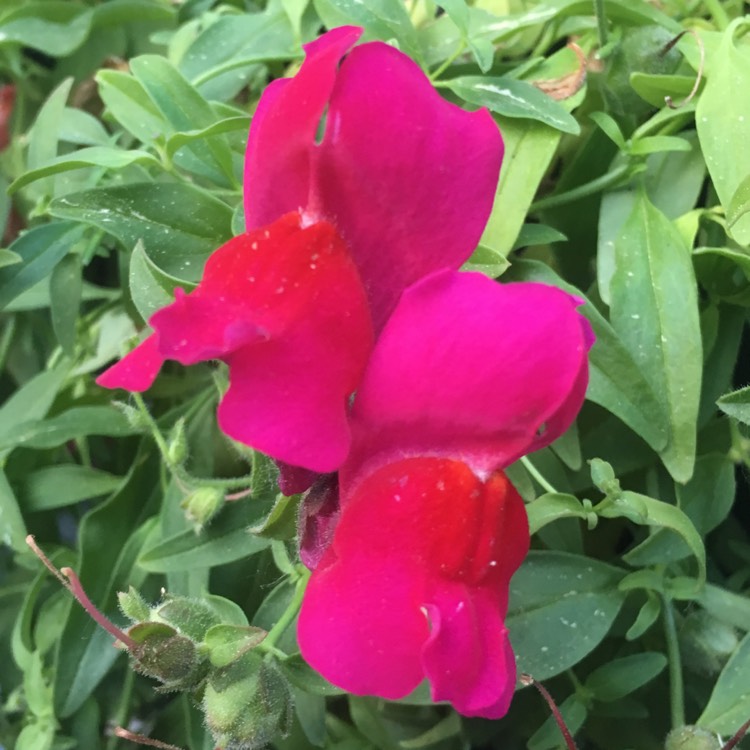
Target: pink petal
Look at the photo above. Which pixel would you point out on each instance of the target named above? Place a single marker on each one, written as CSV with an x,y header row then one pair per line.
x,y
295,479
418,538
285,308
407,177
137,370
470,369
468,658
282,134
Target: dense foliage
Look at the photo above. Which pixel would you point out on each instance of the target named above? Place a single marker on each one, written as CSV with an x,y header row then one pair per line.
x,y
626,180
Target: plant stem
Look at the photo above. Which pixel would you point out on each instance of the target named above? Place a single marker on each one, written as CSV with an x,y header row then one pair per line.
x,y
721,19
583,191
676,691
535,473
601,22
447,63
289,613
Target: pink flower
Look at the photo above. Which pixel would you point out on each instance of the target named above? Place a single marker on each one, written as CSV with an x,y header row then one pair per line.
x,y
467,376
400,185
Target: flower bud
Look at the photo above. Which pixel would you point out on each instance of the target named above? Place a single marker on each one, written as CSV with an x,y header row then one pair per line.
x,y
167,656
136,419
177,446
706,643
247,703
691,738
192,617
201,505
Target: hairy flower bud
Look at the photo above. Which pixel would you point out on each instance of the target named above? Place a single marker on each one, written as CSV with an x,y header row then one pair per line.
x,y
691,738
201,505
247,703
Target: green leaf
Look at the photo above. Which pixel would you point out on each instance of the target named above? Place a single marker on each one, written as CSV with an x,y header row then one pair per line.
x,y
65,289
618,678
739,206
54,27
736,404
647,511
8,257
561,607
180,226
94,156
75,423
130,105
722,123
729,704
227,539
41,249
553,506
183,108
303,676
656,87
150,288
58,486
731,608
31,401
281,522
512,98
609,126
655,311
12,527
529,148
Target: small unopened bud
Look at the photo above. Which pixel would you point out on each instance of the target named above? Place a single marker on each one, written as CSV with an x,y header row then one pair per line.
x,y
165,655
691,738
177,446
603,476
247,703
202,505
133,605
135,418
192,617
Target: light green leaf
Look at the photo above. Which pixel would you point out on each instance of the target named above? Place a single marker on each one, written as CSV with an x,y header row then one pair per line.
x,y
512,98
180,226
54,27
41,249
131,106
94,156
739,206
561,607
552,507
729,704
731,608
529,148
183,108
723,124
655,312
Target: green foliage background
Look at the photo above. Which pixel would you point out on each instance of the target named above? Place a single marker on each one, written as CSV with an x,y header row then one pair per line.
x,y
124,172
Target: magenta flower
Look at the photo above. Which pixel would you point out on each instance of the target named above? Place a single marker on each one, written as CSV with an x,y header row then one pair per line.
x,y
467,376
400,185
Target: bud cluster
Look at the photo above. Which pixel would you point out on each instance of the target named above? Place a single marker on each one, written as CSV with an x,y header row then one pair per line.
x,y
184,644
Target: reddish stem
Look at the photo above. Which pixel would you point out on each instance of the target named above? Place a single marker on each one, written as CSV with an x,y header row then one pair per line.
x,y
527,679
70,580
741,732
141,739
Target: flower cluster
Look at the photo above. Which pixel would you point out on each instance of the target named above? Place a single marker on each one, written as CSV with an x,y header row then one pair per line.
x,y
346,282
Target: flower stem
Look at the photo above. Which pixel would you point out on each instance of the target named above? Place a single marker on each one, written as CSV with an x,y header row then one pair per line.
x,y
289,613
676,691
601,22
598,185
527,679
447,63
535,473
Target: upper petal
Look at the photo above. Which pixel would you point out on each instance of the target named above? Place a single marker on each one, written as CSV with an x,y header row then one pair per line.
x,y
282,133
471,369
407,177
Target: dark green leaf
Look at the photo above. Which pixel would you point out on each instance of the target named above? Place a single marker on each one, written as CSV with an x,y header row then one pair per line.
x,y
618,678
65,288
58,486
